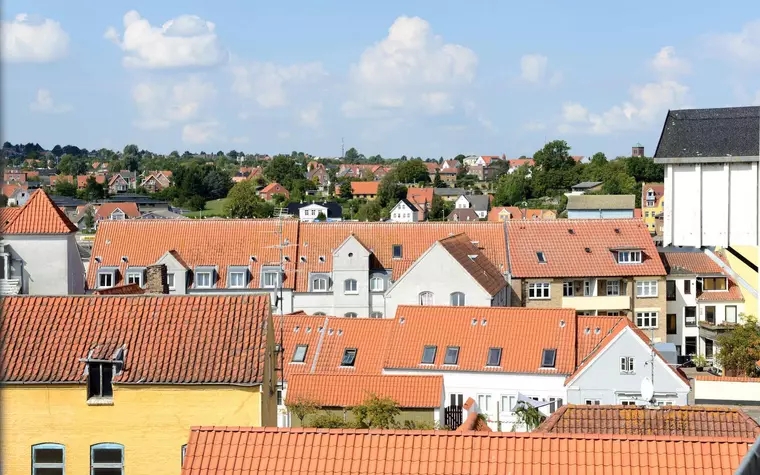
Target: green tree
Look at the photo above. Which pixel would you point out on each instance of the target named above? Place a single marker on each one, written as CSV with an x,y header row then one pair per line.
x,y
513,188
71,165
412,171
643,169
555,170
327,421
528,416
243,201
93,190
345,189
57,151
321,217
437,182
284,170
298,189
302,407
89,219
617,181
3,201
740,348
65,188
390,191
216,184
369,211
352,155
131,149
439,209
377,412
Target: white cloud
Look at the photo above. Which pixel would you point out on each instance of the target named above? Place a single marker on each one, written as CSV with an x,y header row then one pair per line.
x,y
29,39
44,103
646,105
534,69
742,46
184,41
161,104
311,116
200,132
411,69
268,84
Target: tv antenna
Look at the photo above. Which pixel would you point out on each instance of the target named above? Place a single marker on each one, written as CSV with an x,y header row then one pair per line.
x,y
342,149
647,385
283,243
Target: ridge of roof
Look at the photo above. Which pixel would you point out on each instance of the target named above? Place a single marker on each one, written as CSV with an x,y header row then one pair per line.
x,y
38,216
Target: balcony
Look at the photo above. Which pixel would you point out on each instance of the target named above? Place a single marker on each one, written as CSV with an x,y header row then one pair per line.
x,y
608,302
711,331
10,286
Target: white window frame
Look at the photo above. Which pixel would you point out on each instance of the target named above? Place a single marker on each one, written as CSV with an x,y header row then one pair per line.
x,y
170,280
319,284
568,289
613,287
735,312
42,466
94,467
627,365
593,402
457,299
647,319
511,400
629,257
484,403
539,291
588,288
110,275
350,287
236,285
373,284
426,298
198,279
266,277
376,315
131,278
647,288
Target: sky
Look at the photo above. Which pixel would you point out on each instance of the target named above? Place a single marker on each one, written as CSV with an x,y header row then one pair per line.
x,y
416,77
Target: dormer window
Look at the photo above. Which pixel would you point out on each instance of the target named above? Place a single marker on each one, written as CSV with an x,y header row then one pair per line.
x,y
203,279
136,276
629,257
106,278
99,380
237,280
270,278
714,283
319,284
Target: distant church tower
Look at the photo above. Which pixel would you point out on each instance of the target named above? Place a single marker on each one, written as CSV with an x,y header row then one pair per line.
x,y
637,150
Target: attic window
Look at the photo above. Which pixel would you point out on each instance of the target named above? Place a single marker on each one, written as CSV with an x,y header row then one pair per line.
x,y
299,356
99,380
548,358
541,257
349,357
629,257
398,251
494,357
428,354
452,355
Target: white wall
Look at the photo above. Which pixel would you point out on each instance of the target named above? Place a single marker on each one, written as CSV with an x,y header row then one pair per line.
x,y
50,265
351,261
678,307
726,391
401,213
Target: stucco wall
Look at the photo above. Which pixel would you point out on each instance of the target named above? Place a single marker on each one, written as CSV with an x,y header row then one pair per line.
x,y
51,264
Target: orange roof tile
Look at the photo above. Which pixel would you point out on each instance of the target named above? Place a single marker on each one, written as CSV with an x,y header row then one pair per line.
x,y
128,208
475,263
129,289
657,188
420,195
727,379
352,390
696,421
38,216
248,450
317,240
221,243
272,187
580,248
364,187
168,339
690,262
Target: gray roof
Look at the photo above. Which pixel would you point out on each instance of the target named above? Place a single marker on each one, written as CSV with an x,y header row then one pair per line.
x,y
577,202
161,214
700,133
463,214
478,202
448,191
584,185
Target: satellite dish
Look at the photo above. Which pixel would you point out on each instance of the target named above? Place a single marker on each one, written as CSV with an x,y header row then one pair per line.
x,y
647,390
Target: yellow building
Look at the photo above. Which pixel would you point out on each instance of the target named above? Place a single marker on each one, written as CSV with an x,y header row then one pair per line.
x,y
652,199
113,384
743,261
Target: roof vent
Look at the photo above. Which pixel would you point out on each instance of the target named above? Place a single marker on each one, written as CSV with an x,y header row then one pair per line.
x,y
124,258
321,258
401,320
287,258
597,330
475,243
472,256
483,322
587,331
588,250
321,329
617,230
562,324
340,332
296,328
571,231
474,321
308,329
303,258
330,331
253,259
98,259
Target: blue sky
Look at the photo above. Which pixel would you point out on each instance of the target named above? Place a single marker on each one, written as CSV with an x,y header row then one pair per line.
x,y
428,78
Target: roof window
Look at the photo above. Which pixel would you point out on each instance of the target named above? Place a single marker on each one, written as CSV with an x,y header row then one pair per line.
x,y
549,358
541,257
299,356
398,251
494,357
428,354
452,355
349,357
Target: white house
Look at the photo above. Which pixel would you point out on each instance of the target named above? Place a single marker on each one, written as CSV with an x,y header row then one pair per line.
x,y
39,253
309,212
479,203
404,212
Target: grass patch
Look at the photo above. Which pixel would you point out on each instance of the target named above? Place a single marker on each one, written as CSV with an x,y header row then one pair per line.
x,y
213,208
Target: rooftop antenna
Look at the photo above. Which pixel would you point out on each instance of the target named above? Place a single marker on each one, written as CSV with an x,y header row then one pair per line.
x,y
342,149
647,385
281,213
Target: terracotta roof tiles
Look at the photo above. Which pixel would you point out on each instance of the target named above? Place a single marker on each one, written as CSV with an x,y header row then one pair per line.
x,y
244,451
470,257
38,216
364,187
168,339
697,421
128,208
689,262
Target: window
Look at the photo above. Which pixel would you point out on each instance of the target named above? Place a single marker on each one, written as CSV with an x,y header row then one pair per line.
x,y
376,284
203,279
626,365
134,278
539,290
670,292
426,298
183,451
107,459
350,286
629,257
627,403
646,319
708,348
507,403
279,397
646,288
457,299
690,346
494,357
376,315
170,281
319,314
428,354
714,283
588,288
484,402
271,279
687,287
99,377
568,289
350,315
105,279
690,316
541,257
672,324
730,313
554,404
319,284
710,314
398,251
548,358
613,287
593,402
349,357
48,459
237,280
299,356
457,399
452,355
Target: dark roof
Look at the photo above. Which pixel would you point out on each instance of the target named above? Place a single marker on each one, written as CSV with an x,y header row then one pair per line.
x,y
132,198
449,191
334,210
586,184
408,203
67,201
725,132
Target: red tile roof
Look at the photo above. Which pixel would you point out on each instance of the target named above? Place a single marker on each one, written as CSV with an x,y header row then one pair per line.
x,y
420,195
272,188
697,421
168,339
244,451
129,289
659,192
220,243
566,252
128,208
38,216
517,213
352,390
690,262
364,187
474,261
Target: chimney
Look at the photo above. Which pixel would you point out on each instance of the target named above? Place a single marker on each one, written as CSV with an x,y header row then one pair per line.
x,y
155,279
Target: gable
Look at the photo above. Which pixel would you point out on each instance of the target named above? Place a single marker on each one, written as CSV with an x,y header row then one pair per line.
x,y
351,245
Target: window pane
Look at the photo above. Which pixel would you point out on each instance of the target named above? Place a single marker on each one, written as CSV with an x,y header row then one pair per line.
x,y
93,380
50,455
107,372
106,456
106,471
452,355
48,471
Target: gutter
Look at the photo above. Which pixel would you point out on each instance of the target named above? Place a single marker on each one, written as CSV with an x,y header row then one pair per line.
x,y
728,270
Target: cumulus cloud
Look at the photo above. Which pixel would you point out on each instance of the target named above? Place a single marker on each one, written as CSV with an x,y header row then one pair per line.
x,y
162,104
185,41
742,46
646,104
269,84
200,132
411,69
45,104
30,39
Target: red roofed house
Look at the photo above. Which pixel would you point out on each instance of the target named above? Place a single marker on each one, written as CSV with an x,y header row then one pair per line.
x,y
506,213
116,211
422,198
39,253
365,189
157,180
596,266
268,192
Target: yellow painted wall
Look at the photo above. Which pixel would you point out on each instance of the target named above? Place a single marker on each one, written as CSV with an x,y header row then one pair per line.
x,y
749,275
152,422
648,213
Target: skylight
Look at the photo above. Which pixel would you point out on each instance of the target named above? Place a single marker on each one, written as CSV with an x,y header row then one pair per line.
x,y
299,356
349,357
428,354
452,355
548,358
398,251
494,357
541,257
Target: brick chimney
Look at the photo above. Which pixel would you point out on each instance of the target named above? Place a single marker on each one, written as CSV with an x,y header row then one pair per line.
x,y
155,279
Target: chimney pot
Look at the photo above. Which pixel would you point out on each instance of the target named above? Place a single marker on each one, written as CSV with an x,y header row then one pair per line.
x,y
155,280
